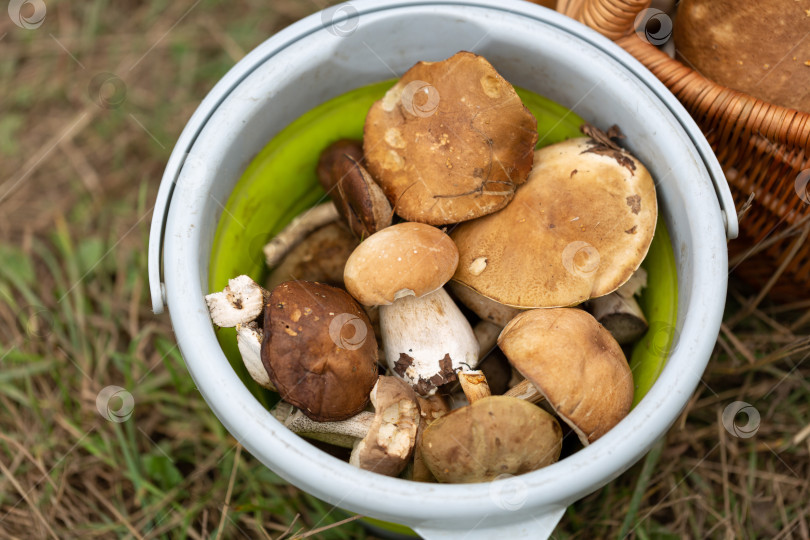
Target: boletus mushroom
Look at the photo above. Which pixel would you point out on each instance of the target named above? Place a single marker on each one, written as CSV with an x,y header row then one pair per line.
x,y
619,311
450,141
578,228
318,350
493,436
299,228
383,440
240,302
425,336
567,356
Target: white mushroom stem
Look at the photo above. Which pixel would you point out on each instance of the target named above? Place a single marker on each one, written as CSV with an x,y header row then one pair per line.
x,y
344,433
486,333
298,229
249,340
619,311
240,302
526,391
426,340
474,384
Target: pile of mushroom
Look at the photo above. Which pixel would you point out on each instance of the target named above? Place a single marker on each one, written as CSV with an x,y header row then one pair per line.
x,y
462,353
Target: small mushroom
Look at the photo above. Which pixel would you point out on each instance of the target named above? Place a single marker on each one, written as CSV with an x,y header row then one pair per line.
x,y
357,196
619,311
299,228
320,257
318,350
575,363
495,435
486,308
431,408
240,302
382,441
578,228
450,141
474,385
407,259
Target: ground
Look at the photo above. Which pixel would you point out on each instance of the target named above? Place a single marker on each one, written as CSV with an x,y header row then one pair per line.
x,y
93,99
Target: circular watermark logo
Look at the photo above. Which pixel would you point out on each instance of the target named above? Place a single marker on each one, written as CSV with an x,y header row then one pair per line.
x,y
193,171
420,99
580,259
653,26
28,14
115,404
339,328
340,20
107,90
37,322
736,427
800,185
508,492
662,338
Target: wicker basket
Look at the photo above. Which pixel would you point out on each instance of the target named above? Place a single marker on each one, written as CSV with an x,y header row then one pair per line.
x,y
762,147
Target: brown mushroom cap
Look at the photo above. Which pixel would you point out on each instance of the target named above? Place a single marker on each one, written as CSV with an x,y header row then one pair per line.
x,y
577,229
493,436
575,363
319,350
401,260
389,444
450,141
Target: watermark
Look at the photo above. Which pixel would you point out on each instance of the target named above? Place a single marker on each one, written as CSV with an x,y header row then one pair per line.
x,y
340,20
508,492
115,404
340,326
800,185
653,26
28,14
734,426
420,99
107,90
662,338
193,171
37,322
580,259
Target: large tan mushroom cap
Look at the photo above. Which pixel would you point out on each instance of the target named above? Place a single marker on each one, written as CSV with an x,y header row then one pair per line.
x,y
577,229
575,363
495,435
450,141
402,260
319,350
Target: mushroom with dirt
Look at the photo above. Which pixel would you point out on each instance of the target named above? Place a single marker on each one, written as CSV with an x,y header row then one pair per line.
x,y
450,141
382,441
577,229
494,435
318,350
240,302
571,361
425,336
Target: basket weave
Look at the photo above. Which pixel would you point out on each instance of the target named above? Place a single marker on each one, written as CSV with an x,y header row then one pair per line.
x,y
763,149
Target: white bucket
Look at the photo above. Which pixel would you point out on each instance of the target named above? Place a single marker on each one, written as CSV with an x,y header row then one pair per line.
x,y
313,61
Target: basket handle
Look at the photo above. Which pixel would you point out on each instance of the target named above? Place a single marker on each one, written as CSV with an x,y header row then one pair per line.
x,y
611,18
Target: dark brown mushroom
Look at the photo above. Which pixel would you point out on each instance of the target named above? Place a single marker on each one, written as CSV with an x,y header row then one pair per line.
x,y
319,350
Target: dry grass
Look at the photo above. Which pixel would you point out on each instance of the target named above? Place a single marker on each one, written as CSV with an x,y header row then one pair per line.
x,y
76,190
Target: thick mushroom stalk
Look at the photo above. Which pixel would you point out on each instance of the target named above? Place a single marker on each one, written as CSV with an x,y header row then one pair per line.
x,y
299,228
426,340
240,302
249,341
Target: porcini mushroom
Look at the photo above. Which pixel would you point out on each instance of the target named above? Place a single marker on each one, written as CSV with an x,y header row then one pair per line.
x,y
357,196
240,302
450,141
486,308
619,311
430,408
299,228
382,440
495,435
575,364
318,350
425,336
578,228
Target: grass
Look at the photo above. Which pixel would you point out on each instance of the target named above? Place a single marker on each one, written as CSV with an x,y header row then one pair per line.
x,y
80,170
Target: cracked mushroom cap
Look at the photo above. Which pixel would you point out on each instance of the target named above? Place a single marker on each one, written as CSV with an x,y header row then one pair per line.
x,y
577,229
389,444
575,363
407,259
495,435
450,141
319,350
